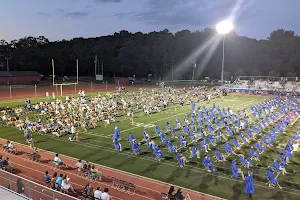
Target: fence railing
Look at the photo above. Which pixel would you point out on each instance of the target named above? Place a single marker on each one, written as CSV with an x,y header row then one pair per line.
x,y
190,83
272,78
30,189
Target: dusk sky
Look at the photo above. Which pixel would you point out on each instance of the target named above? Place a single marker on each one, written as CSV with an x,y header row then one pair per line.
x,y
66,19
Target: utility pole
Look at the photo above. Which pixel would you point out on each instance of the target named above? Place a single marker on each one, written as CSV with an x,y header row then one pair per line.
x,y
7,64
173,70
102,68
195,65
96,63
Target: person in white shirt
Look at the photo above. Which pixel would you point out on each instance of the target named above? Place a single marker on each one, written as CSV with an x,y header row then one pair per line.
x,y
98,193
105,195
79,167
73,132
65,185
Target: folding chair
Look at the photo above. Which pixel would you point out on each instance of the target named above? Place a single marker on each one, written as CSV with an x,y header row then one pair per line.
x,y
115,184
131,189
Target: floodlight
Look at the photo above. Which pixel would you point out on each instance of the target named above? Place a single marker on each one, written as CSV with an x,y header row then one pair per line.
x,y
224,27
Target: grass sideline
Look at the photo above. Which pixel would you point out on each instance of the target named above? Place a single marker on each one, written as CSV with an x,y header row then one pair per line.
x,y
96,146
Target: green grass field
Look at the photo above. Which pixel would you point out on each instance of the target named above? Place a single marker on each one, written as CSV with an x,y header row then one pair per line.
x,y
96,146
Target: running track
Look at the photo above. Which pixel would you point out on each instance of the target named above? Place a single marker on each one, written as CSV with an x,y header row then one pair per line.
x,y
19,92
147,189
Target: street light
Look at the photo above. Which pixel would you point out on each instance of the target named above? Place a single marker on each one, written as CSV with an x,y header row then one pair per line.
x,y
223,28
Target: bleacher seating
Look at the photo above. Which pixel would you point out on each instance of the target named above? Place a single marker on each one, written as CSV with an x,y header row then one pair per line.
x,y
265,83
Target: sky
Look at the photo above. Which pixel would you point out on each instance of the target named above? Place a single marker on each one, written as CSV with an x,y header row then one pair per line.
x,y
66,19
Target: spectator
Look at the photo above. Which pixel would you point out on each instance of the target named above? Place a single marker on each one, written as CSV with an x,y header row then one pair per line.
x,y
11,148
95,173
172,193
88,191
105,195
66,186
179,195
97,193
20,187
6,164
47,178
6,146
79,167
58,161
58,182
53,180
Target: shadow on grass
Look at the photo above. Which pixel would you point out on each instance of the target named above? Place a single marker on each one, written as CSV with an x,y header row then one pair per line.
x,y
129,161
151,168
176,173
237,190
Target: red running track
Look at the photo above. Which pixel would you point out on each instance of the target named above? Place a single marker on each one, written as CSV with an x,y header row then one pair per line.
x,y
22,92
147,189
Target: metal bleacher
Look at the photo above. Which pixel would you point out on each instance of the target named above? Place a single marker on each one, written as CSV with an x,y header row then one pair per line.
x,y
264,83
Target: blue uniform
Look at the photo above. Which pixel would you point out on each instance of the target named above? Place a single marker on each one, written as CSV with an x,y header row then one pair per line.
x,y
252,153
249,184
271,177
135,148
218,155
228,148
116,134
131,138
234,170
117,145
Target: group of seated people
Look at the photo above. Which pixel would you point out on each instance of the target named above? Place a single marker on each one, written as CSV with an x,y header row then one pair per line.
x,y
61,183
90,193
9,147
88,170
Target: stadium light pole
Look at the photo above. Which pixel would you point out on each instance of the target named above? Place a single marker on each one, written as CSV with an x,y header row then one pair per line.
x,y
223,28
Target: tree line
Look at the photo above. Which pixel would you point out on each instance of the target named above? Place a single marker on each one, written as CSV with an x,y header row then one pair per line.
x,y
162,54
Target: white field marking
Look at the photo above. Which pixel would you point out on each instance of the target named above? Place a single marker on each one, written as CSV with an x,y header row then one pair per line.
x,y
109,136
164,118
153,180
156,121
168,163
137,124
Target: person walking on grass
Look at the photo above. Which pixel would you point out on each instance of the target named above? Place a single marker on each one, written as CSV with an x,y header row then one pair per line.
x,y
73,132
249,189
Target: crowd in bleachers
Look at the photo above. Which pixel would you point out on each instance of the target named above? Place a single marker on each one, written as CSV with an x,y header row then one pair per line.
x,y
267,83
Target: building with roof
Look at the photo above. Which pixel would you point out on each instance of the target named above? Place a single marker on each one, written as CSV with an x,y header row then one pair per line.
x,y
19,77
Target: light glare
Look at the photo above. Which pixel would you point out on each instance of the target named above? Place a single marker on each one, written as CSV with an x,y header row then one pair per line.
x,y
224,27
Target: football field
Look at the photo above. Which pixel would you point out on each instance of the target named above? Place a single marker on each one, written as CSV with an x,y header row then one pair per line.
x,y
96,146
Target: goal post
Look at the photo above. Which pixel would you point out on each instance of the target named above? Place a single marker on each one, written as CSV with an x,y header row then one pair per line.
x,y
62,84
